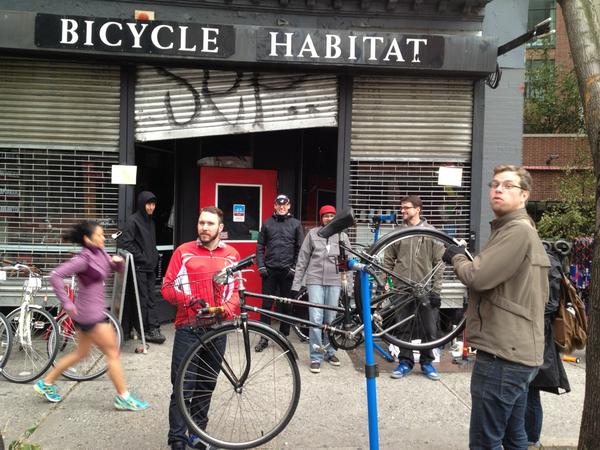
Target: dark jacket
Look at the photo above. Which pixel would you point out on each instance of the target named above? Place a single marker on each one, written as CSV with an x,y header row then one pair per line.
x,y
552,376
279,242
139,235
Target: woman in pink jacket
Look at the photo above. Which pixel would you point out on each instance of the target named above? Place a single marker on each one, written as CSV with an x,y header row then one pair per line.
x,y
91,265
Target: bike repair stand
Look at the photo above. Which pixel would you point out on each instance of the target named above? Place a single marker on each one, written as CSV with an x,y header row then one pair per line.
x,y
370,367
377,219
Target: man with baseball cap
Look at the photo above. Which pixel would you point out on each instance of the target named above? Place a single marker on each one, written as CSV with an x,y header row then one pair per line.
x,y
277,250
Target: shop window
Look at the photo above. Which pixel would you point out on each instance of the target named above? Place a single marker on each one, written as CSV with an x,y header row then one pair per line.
x,y
241,211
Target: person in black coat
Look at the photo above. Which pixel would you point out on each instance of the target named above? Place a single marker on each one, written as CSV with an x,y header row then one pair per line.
x,y
551,376
277,249
139,239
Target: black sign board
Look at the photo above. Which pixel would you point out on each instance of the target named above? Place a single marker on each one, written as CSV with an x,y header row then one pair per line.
x,y
346,47
134,36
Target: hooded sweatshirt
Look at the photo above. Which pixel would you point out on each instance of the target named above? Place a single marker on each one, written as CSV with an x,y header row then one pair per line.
x,y
139,235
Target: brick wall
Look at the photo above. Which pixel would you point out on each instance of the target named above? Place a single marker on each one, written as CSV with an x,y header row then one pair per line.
x,y
562,52
564,150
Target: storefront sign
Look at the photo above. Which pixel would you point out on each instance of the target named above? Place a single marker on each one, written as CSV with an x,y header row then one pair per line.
x,y
131,36
343,47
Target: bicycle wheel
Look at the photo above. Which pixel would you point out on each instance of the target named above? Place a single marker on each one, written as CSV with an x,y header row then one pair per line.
x,y
94,365
302,312
233,397
30,356
5,340
403,314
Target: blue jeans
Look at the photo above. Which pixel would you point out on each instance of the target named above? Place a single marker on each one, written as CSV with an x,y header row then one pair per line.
x,y
499,397
185,338
534,415
318,342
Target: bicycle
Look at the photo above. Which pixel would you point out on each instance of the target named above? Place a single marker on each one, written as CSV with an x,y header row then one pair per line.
x,y
31,327
250,397
5,341
92,366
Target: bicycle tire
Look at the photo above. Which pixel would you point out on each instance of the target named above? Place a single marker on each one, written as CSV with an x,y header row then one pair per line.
x,y
94,365
30,360
5,340
270,392
398,318
302,330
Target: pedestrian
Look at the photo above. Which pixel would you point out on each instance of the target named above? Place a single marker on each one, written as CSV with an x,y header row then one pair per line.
x,y
508,289
277,250
552,376
139,239
194,263
317,269
415,259
91,266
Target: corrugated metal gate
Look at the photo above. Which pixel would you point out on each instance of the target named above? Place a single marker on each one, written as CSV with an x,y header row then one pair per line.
x,y
403,130
182,102
59,132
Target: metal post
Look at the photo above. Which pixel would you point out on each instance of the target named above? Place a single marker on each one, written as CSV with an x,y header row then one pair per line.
x,y
370,367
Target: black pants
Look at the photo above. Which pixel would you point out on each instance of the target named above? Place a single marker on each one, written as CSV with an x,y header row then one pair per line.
x,y
278,282
145,282
427,320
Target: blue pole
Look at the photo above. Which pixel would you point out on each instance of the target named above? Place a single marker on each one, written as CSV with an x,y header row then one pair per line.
x,y
370,367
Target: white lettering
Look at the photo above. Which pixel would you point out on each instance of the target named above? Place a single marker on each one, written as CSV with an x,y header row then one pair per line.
x,y
394,50
352,49
104,30
183,41
89,24
69,28
154,37
373,44
417,43
137,35
287,44
308,46
206,39
332,42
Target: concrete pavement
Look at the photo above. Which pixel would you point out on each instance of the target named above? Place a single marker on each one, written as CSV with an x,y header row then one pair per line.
x,y
414,413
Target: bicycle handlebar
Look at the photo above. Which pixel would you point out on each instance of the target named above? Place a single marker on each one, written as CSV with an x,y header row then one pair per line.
x,y
222,276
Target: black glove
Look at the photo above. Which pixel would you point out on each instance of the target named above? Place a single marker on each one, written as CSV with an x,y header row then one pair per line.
x,y
263,272
291,272
435,300
451,252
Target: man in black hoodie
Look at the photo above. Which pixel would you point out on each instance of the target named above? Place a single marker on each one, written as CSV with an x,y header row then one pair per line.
x,y
277,250
139,239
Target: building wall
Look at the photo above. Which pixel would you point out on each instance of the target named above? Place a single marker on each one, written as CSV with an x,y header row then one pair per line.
x,y
547,155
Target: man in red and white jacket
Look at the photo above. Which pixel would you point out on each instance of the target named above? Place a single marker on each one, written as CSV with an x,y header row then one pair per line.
x,y
189,279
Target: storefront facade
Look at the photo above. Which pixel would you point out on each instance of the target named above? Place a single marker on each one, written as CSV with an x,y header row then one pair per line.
x,y
356,104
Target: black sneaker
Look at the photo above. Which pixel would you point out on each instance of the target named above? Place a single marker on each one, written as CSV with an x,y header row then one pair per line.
x,y
262,344
155,336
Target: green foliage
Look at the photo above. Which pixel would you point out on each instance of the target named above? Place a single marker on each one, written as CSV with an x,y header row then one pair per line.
x,y
22,444
552,101
575,216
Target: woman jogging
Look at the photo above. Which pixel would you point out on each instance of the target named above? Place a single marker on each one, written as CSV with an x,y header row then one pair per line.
x,y
91,265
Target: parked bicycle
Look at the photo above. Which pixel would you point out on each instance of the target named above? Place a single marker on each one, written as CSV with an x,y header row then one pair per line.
x,y
250,397
31,327
5,341
94,364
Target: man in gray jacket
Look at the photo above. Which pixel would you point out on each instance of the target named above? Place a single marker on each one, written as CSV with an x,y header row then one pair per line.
x,y
317,269
415,258
508,288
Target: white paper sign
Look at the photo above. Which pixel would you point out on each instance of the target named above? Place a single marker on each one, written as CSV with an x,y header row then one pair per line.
x,y
450,176
122,174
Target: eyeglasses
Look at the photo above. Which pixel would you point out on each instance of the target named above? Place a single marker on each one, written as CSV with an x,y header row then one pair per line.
x,y
506,185
407,207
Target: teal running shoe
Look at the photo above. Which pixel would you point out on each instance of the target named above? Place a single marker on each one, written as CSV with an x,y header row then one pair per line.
x,y
48,391
131,404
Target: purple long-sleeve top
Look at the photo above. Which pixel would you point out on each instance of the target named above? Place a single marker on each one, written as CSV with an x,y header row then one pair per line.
x,y
91,265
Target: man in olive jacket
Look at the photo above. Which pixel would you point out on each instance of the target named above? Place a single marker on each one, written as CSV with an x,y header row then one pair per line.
x,y
508,289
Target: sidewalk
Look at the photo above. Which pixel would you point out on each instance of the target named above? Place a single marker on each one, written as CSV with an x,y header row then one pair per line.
x,y
414,413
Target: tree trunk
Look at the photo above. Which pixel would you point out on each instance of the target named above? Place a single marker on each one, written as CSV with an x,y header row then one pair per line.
x,y
582,19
